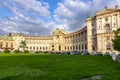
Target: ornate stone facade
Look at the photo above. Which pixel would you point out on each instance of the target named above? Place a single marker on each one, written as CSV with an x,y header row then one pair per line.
x,y
95,36
101,27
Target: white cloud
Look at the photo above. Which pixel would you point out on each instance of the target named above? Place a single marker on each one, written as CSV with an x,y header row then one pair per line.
x,y
29,17
73,13
33,17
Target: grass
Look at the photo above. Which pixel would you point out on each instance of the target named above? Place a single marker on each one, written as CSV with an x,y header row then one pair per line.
x,y
57,67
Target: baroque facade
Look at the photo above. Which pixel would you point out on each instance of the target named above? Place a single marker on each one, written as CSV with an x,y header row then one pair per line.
x,y
95,36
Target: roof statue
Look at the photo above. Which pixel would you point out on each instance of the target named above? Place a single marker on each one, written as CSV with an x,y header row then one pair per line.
x,y
116,6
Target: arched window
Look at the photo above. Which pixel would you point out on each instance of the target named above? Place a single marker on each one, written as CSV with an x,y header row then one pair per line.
x,y
93,48
93,32
46,48
37,48
43,48
30,48
107,28
27,47
40,48
59,48
6,44
68,47
71,47
82,47
34,48
65,47
85,46
76,47
79,47
1,44
11,45
52,45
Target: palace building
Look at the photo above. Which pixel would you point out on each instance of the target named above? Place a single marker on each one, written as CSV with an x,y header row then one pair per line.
x,y
95,36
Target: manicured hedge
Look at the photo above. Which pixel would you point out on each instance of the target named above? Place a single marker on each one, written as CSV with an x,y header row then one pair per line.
x,y
16,51
26,51
6,51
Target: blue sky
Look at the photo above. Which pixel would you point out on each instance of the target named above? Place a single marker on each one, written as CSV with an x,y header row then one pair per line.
x,y
4,13
41,17
52,3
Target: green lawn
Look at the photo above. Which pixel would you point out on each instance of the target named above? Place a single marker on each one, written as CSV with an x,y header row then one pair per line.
x,y
57,67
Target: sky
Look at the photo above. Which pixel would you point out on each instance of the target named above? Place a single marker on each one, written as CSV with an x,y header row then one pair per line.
x,y
42,17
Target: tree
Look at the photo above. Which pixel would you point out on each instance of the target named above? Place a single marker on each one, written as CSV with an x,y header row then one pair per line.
x,y
23,45
116,40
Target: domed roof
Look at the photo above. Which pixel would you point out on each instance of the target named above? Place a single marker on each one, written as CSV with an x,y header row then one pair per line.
x,y
58,31
17,34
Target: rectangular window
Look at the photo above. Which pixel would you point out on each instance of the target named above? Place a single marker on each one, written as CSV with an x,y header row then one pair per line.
x,y
107,37
108,47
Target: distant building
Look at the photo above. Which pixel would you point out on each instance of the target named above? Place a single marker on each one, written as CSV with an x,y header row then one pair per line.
x,y
95,36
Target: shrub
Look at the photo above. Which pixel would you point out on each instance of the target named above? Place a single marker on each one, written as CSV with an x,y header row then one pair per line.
x,y
6,51
16,51
26,51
